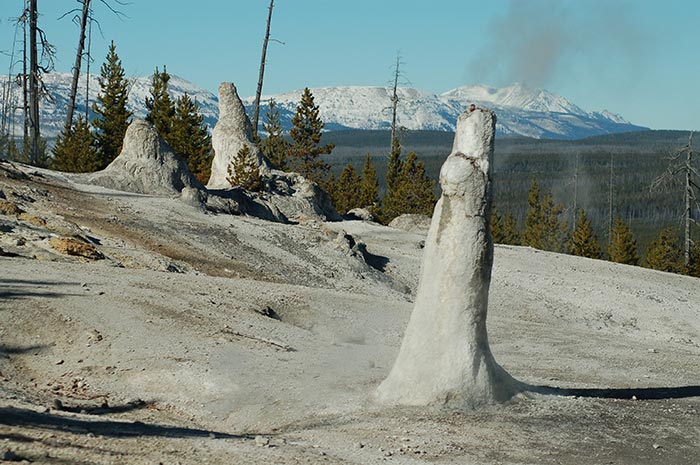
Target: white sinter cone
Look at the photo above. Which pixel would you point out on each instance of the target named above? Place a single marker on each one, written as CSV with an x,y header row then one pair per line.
x,y
232,131
445,358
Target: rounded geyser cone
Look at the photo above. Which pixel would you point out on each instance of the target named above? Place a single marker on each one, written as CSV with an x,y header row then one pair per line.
x,y
445,359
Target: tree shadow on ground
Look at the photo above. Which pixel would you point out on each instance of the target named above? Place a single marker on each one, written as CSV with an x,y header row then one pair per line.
x,y
11,416
7,350
15,289
648,393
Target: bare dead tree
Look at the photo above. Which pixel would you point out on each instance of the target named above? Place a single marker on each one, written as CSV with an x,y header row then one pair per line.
x,y
88,61
8,97
611,195
681,166
82,20
25,95
575,192
37,65
33,85
395,97
258,92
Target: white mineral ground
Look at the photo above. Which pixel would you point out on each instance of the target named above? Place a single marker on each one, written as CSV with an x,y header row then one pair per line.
x,y
179,315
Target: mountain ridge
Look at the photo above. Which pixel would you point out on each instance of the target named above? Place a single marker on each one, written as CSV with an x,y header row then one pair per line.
x,y
535,113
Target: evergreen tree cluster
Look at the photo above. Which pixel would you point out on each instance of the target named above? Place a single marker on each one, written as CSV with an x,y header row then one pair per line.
x,y
410,189
543,230
245,173
78,149
181,125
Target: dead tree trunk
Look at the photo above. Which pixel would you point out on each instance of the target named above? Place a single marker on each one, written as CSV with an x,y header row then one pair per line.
x,y
611,193
688,200
395,99
78,62
575,193
25,103
258,92
33,85
87,72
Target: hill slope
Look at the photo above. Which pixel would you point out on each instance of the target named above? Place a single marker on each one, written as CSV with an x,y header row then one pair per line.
x,y
228,328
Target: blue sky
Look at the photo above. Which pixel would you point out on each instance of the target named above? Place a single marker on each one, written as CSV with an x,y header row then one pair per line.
x,y
637,58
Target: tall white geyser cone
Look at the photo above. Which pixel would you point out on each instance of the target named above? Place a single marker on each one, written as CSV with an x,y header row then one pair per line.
x,y
445,358
232,131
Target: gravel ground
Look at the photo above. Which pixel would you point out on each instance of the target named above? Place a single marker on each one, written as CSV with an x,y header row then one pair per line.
x,y
205,338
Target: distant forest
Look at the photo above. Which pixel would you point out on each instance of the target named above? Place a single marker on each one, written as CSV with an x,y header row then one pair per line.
x,y
637,157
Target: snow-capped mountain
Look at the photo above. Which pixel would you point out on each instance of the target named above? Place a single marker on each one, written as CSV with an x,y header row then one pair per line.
x,y
521,111
53,109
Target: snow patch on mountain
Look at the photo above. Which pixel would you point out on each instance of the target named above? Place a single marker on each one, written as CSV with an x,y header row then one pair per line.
x,y
521,110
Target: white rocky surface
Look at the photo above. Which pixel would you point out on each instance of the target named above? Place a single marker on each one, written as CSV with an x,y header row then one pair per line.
x,y
146,165
445,358
230,328
411,222
232,132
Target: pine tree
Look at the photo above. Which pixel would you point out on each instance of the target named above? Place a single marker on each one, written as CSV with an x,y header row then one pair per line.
x,y
245,172
394,166
511,236
112,114
189,138
369,185
583,241
415,188
161,109
391,205
623,247
496,226
532,234
275,147
306,136
556,234
75,150
665,253
694,268
346,194
543,230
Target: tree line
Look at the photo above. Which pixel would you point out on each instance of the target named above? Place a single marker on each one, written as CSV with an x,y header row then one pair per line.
x,y
544,229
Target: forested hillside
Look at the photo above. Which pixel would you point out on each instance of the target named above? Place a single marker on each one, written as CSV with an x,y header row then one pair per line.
x,y
638,158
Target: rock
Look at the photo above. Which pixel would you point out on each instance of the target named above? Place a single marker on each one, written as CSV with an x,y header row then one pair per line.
x,y
9,208
232,131
94,336
8,456
194,197
445,359
146,165
32,219
362,214
71,246
414,223
262,441
298,198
